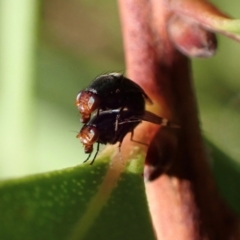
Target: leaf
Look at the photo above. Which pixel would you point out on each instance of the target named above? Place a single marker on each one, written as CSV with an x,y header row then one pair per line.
x,y
90,202
227,175
76,203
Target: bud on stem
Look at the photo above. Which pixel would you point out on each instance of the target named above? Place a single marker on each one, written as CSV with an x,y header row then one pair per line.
x,y
190,38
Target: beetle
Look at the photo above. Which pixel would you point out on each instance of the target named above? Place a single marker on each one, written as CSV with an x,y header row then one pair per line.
x,y
111,91
101,129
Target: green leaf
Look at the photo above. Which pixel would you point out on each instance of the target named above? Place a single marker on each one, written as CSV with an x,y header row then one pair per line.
x,y
83,202
227,175
102,201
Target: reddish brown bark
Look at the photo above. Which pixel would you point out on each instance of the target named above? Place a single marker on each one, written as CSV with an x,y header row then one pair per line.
x,y
183,202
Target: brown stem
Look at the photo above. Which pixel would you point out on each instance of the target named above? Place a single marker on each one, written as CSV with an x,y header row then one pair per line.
x,y
184,203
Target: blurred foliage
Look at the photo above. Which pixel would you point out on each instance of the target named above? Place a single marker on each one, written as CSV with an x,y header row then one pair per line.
x,y
68,54
75,42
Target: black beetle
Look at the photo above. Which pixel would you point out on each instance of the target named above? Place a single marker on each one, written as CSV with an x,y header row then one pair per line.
x,y
107,127
111,91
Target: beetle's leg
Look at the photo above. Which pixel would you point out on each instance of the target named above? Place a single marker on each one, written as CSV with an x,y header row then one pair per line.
x,y
95,154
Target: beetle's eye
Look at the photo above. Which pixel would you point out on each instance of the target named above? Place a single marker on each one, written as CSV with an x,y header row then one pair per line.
x,y
91,136
87,102
93,102
88,135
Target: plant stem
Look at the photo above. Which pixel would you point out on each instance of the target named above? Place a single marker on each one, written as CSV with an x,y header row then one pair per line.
x,y
183,202
17,42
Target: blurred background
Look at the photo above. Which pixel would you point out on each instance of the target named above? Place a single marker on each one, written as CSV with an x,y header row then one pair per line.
x,y
49,50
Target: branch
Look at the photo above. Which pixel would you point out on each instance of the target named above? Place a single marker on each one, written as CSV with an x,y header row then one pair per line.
x,y
183,200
